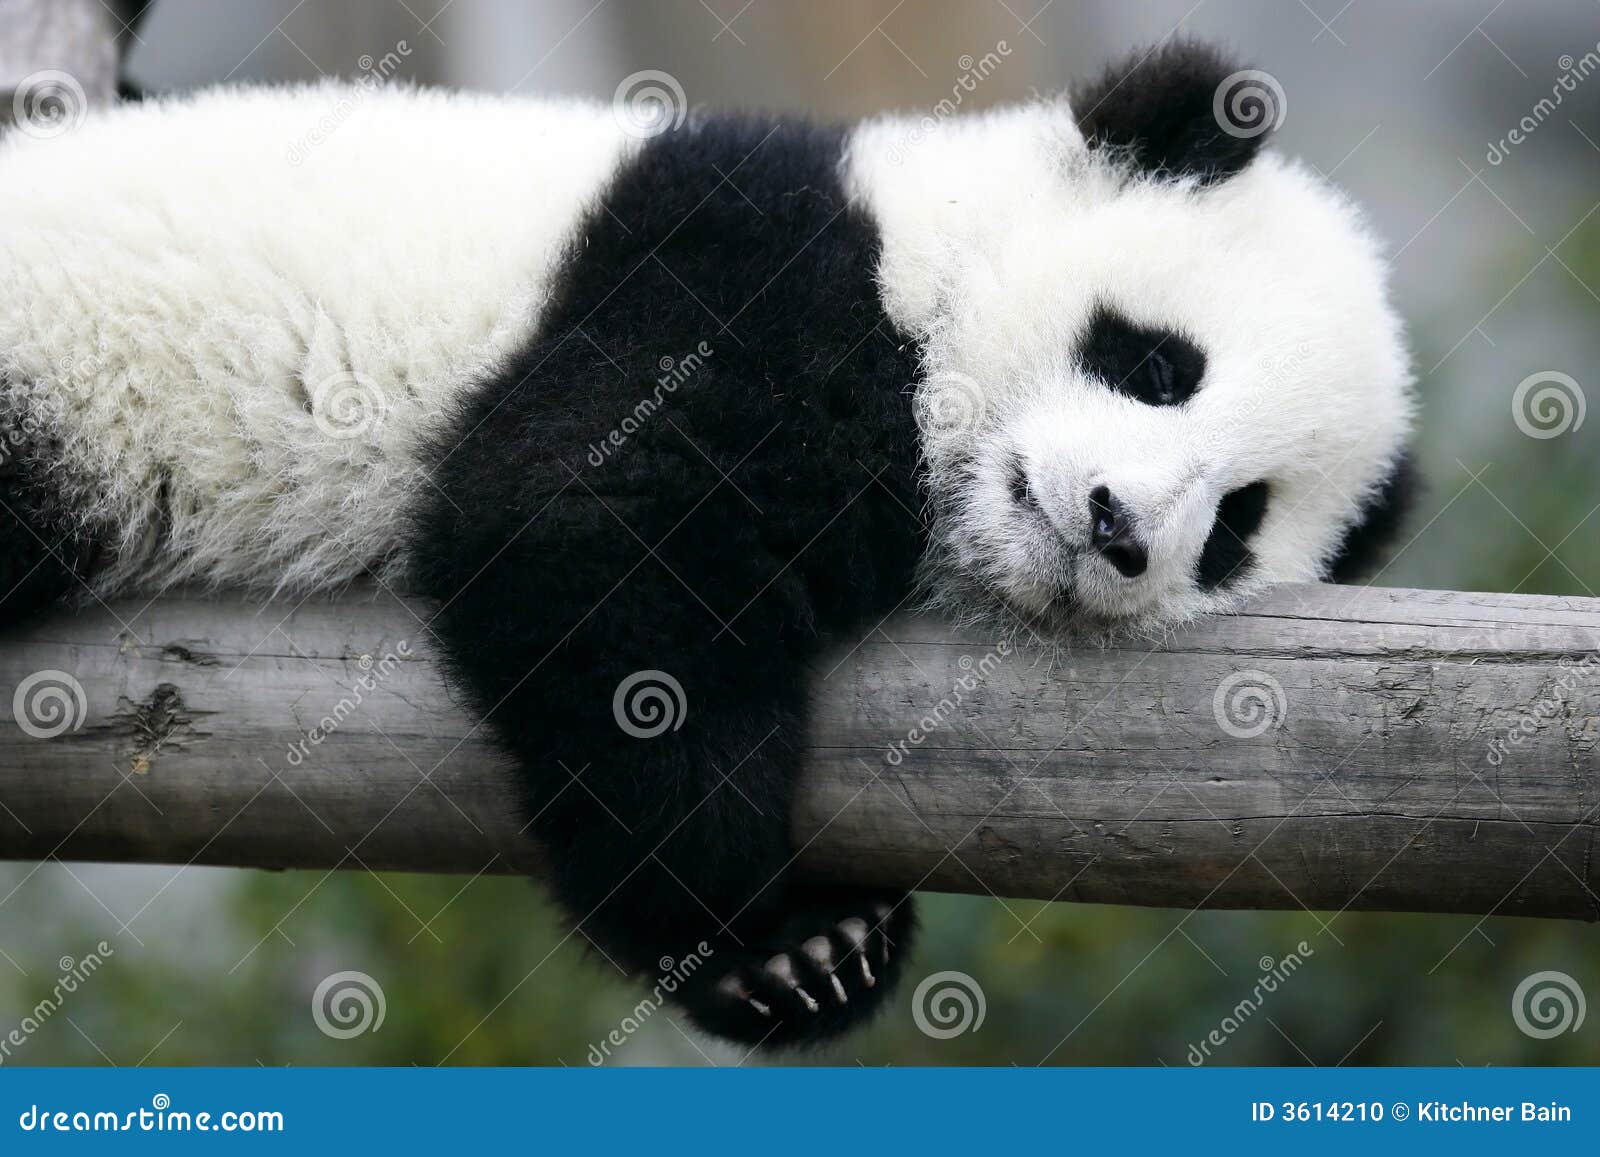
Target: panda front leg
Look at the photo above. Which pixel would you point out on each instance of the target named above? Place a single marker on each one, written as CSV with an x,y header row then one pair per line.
x,y
672,852
655,701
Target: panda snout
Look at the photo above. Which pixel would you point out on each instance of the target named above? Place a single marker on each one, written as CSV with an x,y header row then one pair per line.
x,y
1111,533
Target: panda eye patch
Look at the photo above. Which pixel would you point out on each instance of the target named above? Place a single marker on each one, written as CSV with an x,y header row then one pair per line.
x,y
1226,554
1159,367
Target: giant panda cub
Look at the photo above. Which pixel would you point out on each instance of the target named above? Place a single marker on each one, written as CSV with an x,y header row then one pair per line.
x,y
683,409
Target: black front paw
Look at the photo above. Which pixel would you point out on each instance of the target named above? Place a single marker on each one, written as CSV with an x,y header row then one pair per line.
x,y
823,967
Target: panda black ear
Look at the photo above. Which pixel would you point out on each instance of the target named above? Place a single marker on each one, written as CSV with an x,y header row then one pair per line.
x,y
1181,110
1370,538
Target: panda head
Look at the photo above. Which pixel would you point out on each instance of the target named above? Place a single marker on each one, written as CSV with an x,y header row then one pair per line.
x,y
1161,368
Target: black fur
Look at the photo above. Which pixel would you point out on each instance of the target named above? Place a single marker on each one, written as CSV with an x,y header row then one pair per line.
x,y
1155,366
1226,555
769,502
47,553
1365,543
1158,108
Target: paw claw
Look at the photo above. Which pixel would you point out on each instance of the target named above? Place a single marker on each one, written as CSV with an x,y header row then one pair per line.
x,y
820,952
781,968
732,986
854,929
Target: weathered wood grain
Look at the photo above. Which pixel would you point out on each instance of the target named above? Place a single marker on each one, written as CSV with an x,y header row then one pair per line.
x,y
1093,773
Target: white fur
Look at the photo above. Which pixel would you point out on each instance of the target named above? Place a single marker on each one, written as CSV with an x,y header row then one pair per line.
x,y
1002,231
183,277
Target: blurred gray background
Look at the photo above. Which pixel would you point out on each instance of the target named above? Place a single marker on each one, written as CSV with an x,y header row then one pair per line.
x,y
1495,253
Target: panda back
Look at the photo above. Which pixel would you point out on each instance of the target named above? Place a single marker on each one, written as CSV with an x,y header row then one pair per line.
x,y
230,320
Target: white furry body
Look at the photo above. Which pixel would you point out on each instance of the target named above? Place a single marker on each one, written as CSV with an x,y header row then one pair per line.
x,y
241,312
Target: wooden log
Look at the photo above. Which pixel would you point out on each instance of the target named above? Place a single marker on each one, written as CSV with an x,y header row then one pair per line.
x,y
1331,747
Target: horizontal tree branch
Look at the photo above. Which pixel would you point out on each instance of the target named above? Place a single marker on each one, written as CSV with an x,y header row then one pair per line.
x,y
1331,748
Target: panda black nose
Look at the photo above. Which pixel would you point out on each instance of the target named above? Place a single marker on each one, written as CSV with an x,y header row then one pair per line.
x,y
1111,532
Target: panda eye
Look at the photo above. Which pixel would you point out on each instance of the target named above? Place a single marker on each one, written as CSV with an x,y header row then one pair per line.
x,y
1017,484
1159,367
